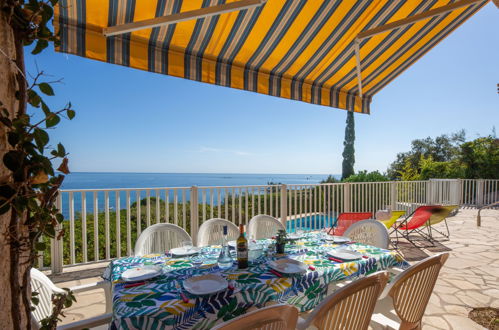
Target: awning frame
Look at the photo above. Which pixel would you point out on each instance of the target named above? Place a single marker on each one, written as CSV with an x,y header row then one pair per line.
x,y
180,17
404,22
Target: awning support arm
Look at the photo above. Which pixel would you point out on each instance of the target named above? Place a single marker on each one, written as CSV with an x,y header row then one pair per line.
x,y
416,18
184,16
403,22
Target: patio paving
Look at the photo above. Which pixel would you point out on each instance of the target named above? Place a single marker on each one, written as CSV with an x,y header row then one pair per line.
x,y
469,279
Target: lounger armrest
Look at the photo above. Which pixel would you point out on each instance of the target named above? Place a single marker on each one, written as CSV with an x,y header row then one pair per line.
x,y
88,323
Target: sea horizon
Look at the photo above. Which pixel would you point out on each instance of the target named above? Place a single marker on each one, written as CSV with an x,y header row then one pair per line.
x,y
109,180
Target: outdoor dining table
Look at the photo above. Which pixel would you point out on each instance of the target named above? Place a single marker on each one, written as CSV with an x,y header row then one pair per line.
x,y
163,302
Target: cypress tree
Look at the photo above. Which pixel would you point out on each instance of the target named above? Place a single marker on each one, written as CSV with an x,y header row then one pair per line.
x,y
348,151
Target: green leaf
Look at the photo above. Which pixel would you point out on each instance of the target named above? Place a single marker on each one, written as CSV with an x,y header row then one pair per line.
x,y
41,44
47,13
13,160
6,121
46,109
13,138
6,191
40,246
41,138
33,98
71,114
61,151
46,89
52,120
4,209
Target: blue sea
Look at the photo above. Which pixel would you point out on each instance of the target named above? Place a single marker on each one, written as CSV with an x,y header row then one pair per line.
x,y
110,180
99,180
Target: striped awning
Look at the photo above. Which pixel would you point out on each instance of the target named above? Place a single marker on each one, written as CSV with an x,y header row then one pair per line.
x,y
296,49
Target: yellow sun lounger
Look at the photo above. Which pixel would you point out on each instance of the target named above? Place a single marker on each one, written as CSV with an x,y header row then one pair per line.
x,y
396,214
440,216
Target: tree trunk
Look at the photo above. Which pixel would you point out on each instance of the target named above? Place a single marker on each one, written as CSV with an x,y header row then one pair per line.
x,y
14,291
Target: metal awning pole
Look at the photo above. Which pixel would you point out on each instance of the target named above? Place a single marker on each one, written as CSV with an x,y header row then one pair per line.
x,y
179,17
417,18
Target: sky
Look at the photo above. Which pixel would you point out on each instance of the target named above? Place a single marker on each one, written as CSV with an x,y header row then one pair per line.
x,y
135,121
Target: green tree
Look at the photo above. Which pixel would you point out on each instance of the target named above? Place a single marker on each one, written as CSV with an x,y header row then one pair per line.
x,y
349,150
430,169
364,176
443,148
480,158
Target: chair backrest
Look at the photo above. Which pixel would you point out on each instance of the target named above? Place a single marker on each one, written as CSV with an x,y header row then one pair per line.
x,y
350,307
45,287
411,289
420,216
264,226
159,238
211,232
396,214
277,317
441,214
371,232
347,219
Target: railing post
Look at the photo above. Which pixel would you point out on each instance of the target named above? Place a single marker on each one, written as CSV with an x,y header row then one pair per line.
x,y
194,214
284,204
56,254
346,197
479,193
393,195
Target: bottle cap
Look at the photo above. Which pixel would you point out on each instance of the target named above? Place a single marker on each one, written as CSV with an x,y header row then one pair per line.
x,y
225,230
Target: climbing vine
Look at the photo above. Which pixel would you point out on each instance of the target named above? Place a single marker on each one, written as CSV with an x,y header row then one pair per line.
x,y
29,192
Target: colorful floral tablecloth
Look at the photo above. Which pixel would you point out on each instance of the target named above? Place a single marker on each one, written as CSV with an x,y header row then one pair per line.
x,y
158,304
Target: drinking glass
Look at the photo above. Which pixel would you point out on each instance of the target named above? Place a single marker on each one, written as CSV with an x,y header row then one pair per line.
x,y
197,260
187,245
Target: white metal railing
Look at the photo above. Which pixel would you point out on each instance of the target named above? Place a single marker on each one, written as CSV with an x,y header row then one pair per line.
x,y
102,224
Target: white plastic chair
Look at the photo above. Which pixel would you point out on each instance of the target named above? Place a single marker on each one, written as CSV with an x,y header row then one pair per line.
x,y
45,287
264,226
350,307
277,317
159,238
370,232
403,302
211,232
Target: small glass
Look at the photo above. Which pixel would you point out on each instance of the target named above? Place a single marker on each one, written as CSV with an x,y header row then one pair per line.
x,y
187,245
197,261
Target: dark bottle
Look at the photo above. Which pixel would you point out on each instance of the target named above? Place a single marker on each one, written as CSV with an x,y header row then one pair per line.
x,y
242,249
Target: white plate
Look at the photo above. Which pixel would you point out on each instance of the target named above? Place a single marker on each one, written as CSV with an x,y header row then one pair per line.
x,y
288,266
182,251
205,284
141,273
338,239
295,236
345,254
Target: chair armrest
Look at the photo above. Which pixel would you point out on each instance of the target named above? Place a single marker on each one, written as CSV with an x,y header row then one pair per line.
x,y
105,285
91,286
88,323
395,270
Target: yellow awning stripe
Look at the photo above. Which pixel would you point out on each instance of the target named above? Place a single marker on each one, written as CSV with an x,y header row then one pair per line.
x,y
296,49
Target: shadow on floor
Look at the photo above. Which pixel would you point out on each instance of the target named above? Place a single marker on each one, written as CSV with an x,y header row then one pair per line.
x,y
417,249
